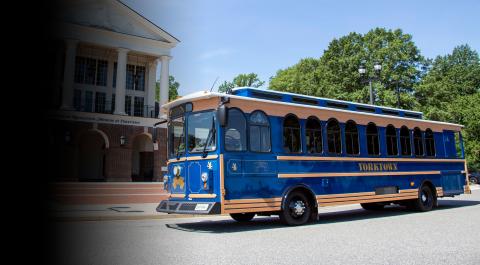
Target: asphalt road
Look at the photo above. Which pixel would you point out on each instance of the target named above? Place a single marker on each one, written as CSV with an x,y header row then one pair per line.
x,y
343,235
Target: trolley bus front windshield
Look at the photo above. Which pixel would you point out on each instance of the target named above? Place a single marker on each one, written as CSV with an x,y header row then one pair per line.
x,y
200,133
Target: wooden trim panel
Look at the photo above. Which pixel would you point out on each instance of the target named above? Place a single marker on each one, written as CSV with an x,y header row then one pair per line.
x,y
179,196
365,159
256,210
202,196
277,199
356,174
222,184
281,109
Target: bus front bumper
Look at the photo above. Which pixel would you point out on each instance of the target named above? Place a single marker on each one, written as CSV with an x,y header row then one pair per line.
x,y
188,207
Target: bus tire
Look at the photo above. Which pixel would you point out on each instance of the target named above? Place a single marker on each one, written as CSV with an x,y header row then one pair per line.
x,y
425,201
373,206
297,210
242,217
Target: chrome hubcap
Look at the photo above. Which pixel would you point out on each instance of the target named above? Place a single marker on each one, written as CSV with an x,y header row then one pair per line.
x,y
424,197
298,208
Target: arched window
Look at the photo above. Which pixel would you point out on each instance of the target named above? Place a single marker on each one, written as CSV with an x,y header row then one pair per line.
x,y
259,132
429,143
291,134
372,139
405,141
334,137
236,131
418,141
313,135
391,137
351,138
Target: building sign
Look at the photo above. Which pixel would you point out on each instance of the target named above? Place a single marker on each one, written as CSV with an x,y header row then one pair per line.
x,y
102,118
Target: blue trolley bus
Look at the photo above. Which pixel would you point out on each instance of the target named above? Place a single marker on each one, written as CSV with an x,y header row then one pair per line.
x,y
263,152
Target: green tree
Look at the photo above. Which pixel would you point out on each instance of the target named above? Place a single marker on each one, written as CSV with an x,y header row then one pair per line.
x,y
451,92
172,89
241,80
335,73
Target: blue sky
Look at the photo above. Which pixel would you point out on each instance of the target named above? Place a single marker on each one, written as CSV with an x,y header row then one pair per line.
x,y
224,38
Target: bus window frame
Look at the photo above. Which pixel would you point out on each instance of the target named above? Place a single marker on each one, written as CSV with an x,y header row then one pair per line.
x,y
358,138
187,151
248,133
300,131
224,130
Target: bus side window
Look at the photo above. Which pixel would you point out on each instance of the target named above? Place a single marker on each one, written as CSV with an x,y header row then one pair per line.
x,y
334,138
235,132
391,137
291,134
373,146
429,143
418,142
313,135
259,128
351,138
459,145
405,141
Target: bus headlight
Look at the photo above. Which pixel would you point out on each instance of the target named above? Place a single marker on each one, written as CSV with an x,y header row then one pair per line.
x,y
204,177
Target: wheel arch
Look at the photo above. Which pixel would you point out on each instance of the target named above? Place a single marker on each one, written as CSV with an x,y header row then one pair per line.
x,y
299,187
429,183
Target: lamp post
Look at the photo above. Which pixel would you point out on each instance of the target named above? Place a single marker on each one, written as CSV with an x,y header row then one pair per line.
x,y
377,67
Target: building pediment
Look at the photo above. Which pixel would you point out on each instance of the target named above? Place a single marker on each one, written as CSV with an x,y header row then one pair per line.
x,y
112,15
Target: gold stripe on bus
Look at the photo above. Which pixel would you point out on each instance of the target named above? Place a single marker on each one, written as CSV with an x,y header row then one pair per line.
x,y
356,174
181,196
253,200
342,195
202,196
256,210
222,185
252,205
368,197
409,197
364,159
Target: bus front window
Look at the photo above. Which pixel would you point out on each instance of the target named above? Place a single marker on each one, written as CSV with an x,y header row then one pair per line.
x,y
201,132
176,134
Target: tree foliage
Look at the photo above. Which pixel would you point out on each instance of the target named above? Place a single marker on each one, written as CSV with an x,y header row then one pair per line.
x,y
335,73
172,89
241,80
445,89
451,92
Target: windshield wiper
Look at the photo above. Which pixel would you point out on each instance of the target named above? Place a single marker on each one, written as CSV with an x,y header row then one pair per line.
x,y
210,137
177,152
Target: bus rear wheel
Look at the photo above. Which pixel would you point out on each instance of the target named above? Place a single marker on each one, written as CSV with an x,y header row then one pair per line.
x,y
242,217
297,210
425,201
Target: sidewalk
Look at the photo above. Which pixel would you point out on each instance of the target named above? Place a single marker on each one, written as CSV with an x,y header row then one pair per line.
x,y
127,211
105,212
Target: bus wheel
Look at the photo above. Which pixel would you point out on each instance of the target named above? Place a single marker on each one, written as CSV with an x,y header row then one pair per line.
x,y
242,217
297,209
373,206
426,199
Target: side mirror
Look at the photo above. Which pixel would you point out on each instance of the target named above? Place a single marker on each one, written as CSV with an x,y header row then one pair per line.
x,y
222,113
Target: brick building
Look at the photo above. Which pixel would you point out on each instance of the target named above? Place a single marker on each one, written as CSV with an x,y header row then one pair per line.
x,y
103,105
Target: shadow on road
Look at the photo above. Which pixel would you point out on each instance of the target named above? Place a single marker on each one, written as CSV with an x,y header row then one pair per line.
x,y
261,223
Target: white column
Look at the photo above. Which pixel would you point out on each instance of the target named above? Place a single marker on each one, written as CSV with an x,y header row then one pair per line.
x,y
120,85
164,82
152,79
69,74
